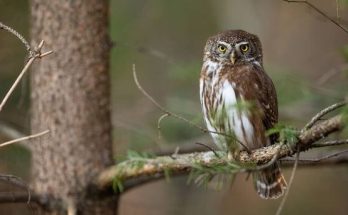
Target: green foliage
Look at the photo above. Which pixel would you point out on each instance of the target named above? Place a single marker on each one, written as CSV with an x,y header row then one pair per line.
x,y
134,160
287,134
117,185
201,175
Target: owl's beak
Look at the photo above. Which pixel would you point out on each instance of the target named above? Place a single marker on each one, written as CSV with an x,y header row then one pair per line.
x,y
233,57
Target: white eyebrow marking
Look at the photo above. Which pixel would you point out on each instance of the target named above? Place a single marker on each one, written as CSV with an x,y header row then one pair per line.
x,y
224,43
241,43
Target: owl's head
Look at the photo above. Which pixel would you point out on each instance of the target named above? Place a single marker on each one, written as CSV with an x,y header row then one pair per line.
x,y
234,47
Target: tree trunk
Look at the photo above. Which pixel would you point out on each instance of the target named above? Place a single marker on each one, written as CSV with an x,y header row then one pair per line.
x,y
70,97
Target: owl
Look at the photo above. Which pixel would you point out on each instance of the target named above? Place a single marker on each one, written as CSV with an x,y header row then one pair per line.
x,y
239,101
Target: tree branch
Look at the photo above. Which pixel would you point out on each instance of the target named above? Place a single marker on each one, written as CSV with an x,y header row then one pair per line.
x,y
24,138
320,12
155,168
18,35
32,58
7,197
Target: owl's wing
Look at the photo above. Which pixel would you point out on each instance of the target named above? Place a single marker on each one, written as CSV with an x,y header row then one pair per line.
x,y
267,98
255,85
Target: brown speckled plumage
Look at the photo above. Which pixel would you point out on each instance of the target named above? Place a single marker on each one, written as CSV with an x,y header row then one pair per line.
x,y
233,75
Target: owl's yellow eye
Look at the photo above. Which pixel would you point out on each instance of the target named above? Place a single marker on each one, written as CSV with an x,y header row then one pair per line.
x,y
222,48
244,47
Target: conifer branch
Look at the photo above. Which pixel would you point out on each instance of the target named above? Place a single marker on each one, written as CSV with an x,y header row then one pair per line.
x,y
134,172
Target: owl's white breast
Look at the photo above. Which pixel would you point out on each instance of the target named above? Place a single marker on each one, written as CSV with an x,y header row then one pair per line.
x,y
238,119
235,122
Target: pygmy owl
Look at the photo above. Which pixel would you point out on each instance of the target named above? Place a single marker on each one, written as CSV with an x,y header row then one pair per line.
x,y
239,101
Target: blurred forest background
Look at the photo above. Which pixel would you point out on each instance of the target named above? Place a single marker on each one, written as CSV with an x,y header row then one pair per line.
x,y
304,53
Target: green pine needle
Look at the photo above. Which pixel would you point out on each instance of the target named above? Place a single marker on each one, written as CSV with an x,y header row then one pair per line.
x,y
117,185
287,134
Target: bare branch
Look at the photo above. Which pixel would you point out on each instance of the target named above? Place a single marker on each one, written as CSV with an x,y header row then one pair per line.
x,y
332,155
25,69
45,201
320,12
17,182
164,110
322,113
8,94
19,36
24,138
33,55
341,157
159,124
330,143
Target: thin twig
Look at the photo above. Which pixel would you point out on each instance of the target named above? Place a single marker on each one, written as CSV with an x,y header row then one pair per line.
x,y
335,154
291,180
159,124
210,148
8,94
323,112
320,12
330,143
24,138
169,113
24,70
18,182
45,54
176,152
19,36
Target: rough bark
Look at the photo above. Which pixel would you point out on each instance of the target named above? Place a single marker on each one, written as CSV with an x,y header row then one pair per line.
x,y
70,97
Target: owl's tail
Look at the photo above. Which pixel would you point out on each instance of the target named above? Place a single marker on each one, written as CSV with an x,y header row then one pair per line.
x,y
270,183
